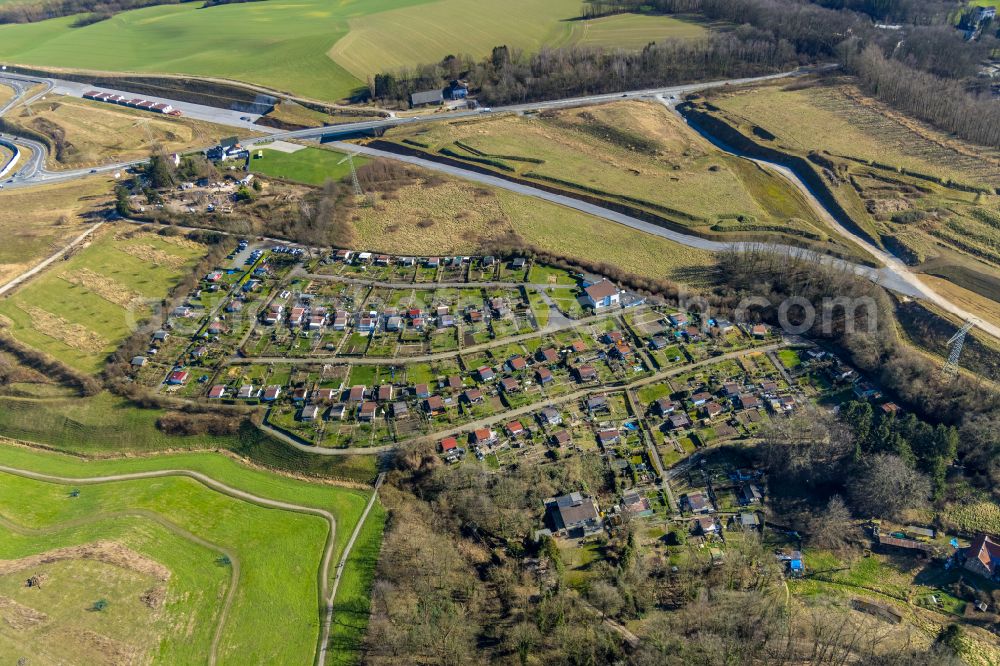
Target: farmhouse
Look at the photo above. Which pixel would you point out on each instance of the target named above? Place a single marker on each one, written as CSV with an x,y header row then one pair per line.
x,y
601,295
426,97
575,514
983,556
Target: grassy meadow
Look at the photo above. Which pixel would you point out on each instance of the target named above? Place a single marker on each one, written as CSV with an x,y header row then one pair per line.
x,y
906,183
452,216
31,222
80,309
638,153
96,133
311,166
313,48
278,552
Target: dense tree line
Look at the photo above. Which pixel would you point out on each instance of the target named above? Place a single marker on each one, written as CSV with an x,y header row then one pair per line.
x,y
939,101
31,12
925,441
508,76
92,11
926,68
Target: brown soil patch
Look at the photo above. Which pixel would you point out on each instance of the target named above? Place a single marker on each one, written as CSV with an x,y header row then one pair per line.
x,y
105,287
154,597
108,552
178,240
113,653
153,255
76,336
19,616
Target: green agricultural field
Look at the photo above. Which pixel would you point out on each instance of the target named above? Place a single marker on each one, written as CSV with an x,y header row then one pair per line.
x,y
177,531
312,166
314,48
420,32
81,309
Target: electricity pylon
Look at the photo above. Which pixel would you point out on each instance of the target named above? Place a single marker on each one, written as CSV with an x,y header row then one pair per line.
x,y
956,342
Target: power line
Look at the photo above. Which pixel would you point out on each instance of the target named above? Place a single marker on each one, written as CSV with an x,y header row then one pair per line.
x,y
956,342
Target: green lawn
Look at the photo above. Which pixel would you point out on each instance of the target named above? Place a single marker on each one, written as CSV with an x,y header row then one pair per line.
x,y
312,166
789,358
105,424
72,586
354,594
316,48
92,323
278,551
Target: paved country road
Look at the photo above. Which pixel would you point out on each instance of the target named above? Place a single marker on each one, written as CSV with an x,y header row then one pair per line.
x,y
325,594
37,174
894,275
31,272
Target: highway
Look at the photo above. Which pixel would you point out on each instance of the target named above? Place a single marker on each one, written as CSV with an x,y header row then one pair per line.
x,y
36,173
893,273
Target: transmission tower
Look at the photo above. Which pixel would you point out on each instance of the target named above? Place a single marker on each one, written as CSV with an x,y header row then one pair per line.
x,y
358,192
956,342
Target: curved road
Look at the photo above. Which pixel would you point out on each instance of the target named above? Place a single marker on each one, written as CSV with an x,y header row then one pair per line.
x,y
326,596
892,263
894,275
